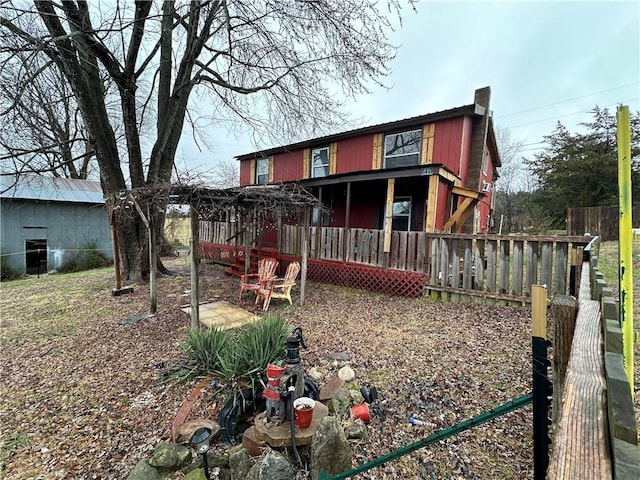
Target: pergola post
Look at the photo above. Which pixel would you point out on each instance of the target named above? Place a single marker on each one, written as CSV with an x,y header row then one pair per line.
x,y
304,247
195,260
153,264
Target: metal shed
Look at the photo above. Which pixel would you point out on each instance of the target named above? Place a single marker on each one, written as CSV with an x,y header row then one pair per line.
x,y
46,221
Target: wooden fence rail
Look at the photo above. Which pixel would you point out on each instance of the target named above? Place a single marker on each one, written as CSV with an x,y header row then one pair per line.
x,y
502,267
595,435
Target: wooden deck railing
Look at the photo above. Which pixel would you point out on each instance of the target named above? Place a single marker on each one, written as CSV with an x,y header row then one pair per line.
x,y
502,267
595,435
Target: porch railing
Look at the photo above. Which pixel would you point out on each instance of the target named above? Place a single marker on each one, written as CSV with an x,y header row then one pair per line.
x,y
497,266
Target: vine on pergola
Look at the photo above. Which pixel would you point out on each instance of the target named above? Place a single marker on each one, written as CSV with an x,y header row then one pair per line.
x,y
253,202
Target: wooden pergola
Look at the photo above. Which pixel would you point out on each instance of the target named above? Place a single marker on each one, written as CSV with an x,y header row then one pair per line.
x,y
254,202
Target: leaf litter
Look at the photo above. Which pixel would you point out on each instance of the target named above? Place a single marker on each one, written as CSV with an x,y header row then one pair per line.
x,y
85,397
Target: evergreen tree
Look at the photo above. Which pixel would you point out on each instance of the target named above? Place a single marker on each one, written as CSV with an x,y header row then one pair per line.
x,y
581,169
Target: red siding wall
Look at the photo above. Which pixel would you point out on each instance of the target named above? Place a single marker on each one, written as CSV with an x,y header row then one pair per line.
x,y
447,143
245,172
363,215
442,213
288,166
483,209
355,154
485,204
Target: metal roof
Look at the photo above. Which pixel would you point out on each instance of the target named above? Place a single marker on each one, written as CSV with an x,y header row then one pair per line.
x,y
50,189
388,127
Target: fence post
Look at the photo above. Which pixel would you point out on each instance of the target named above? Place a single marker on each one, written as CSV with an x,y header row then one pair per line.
x,y
564,310
541,385
625,239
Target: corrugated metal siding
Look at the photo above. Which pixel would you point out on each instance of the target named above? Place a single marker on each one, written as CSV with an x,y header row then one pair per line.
x,y
288,166
447,144
355,154
67,227
245,172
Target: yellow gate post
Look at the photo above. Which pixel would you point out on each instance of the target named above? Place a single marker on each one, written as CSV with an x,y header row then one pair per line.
x,y
625,239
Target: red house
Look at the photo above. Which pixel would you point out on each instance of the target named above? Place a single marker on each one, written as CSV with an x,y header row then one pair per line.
x,y
430,173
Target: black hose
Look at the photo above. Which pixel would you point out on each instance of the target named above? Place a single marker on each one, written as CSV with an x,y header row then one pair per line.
x,y
293,430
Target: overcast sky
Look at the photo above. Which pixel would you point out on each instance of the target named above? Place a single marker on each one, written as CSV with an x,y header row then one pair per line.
x,y
544,62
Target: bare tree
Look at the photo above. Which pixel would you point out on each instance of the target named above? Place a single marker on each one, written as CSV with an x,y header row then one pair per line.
x,y
512,181
41,129
225,174
273,64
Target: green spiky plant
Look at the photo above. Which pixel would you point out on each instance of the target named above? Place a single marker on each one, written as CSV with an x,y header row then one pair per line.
x,y
241,353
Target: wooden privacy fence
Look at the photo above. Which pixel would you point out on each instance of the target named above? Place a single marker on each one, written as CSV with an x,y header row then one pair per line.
x,y
457,266
600,221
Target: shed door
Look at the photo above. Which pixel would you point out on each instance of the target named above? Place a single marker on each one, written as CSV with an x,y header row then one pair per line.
x,y
36,256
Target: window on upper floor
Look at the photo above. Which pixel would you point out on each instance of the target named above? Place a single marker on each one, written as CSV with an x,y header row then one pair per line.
x,y
262,171
319,162
401,214
402,149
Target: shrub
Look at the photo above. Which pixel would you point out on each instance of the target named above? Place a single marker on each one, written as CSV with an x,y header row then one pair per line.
x,y
88,259
263,342
204,348
8,273
240,353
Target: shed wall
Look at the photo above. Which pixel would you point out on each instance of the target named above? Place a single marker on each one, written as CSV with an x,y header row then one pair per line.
x,y
68,229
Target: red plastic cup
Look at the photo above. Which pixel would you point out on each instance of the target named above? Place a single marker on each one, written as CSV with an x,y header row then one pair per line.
x,y
362,412
303,409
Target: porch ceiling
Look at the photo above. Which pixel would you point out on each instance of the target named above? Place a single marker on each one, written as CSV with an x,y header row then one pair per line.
x,y
402,172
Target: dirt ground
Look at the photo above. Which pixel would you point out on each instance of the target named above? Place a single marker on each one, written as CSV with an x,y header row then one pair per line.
x,y
83,396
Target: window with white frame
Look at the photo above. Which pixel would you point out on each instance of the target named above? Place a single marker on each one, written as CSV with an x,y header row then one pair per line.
x,y
401,219
485,162
320,162
402,149
262,171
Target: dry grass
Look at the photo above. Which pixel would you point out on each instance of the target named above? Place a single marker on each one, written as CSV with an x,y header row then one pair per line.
x,y
608,266
81,396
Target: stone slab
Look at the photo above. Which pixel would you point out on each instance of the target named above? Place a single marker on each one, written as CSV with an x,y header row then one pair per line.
x,y
330,388
221,314
251,443
280,435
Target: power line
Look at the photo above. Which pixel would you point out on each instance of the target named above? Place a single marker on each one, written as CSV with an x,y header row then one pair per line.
x,y
569,114
568,100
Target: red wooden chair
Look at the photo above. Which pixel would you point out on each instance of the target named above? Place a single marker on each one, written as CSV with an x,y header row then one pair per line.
x,y
279,287
254,281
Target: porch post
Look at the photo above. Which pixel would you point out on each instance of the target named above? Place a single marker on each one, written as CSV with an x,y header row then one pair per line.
x,y
247,243
319,232
432,204
279,233
347,218
388,219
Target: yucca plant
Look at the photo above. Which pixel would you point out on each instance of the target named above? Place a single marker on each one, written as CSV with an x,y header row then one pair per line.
x,y
263,342
205,348
239,354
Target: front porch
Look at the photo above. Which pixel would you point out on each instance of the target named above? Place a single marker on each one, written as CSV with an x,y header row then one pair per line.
x,y
457,267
